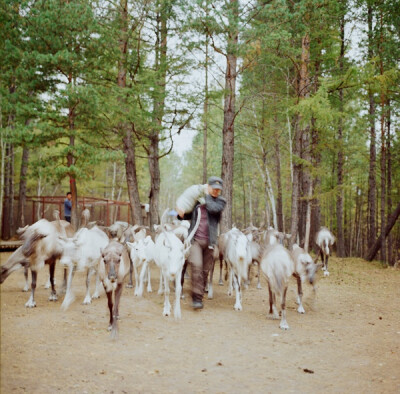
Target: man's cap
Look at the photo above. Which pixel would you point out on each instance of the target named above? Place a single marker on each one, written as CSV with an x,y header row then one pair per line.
x,y
215,182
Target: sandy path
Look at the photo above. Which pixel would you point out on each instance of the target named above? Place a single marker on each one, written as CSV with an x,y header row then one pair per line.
x,y
347,342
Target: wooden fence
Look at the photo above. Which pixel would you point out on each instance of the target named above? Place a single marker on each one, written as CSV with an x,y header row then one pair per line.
x,y
102,210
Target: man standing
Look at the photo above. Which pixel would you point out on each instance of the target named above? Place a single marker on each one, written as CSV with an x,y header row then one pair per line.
x,y
68,207
203,206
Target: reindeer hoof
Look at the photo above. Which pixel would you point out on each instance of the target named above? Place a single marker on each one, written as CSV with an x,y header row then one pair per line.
x,y
221,282
30,304
109,327
237,307
326,273
87,301
129,286
284,326
259,287
53,297
301,310
25,289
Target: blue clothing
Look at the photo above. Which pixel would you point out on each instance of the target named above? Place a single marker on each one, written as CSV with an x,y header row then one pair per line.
x,y
67,207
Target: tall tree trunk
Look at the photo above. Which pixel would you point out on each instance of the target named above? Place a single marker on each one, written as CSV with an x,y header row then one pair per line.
x,y
279,202
127,140
389,180
340,251
301,138
205,115
131,178
8,207
228,130
22,187
243,191
383,152
315,206
8,202
3,147
295,184
71,162
158,113
372,151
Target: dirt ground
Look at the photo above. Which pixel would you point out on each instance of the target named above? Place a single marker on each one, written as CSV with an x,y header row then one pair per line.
x,y
348,341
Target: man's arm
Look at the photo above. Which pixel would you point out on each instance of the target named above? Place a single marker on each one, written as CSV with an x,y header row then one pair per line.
x,y
188,199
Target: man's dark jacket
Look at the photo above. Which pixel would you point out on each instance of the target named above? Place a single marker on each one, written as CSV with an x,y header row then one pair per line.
x,y
214,207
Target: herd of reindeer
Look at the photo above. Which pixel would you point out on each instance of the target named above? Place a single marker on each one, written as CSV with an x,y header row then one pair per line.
x,y
113,253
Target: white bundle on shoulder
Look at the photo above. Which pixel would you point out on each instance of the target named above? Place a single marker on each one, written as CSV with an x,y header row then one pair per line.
x,y
188,199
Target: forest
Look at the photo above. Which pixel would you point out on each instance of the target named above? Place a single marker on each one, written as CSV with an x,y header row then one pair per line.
x,y
295,104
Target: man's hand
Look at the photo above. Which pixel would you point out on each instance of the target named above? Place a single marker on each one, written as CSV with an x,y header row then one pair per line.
x,y
181,213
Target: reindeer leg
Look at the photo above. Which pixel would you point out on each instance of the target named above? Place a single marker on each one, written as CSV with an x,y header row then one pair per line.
x,y
149,289
130,283
283,325
69,295
322,259
160,287
221,263
326,273
31,302
139,291
64,285
48,284
110,307
167,305
259,276
230,287
118,292
178,290
26,271
89,274
98,286
53,295
136,292
300,309
273,313
236,284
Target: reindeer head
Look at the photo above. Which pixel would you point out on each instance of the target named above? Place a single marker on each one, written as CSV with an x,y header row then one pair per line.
x,y
111,263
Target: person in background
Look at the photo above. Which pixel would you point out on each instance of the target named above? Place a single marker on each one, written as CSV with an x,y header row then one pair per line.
x,y
68,207
203,206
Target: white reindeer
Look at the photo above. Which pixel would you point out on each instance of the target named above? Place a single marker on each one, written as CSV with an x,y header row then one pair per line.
x,y
324,239
82,252
169,255
277,266
305,269
237,254
141,255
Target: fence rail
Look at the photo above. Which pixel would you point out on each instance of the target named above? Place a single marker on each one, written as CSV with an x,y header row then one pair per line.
x,y
102,210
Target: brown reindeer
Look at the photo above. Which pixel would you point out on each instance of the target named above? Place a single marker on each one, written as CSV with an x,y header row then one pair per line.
x,y
40,247
113,269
